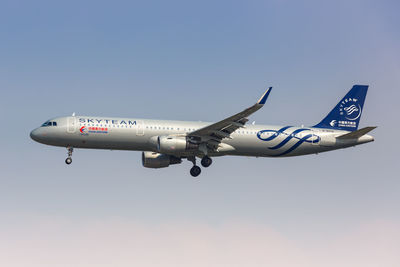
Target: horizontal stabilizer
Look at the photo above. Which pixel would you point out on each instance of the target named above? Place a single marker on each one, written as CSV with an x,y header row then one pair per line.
x,y
357,134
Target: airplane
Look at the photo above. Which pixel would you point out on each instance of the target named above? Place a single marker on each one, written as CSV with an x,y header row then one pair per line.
x,y
166,142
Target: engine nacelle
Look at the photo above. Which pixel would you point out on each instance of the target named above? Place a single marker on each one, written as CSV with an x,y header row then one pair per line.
x,y
156,160
174,144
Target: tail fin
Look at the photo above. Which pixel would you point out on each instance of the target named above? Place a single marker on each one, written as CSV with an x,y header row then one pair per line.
x,y
347,113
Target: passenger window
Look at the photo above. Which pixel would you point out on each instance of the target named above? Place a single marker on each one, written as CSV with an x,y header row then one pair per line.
x,y
54,123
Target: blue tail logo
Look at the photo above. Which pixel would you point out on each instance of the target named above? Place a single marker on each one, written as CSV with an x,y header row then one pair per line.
x,y
347,113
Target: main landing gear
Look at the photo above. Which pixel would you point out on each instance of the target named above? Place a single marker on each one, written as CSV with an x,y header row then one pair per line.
x,y
195,170
69,159
206,161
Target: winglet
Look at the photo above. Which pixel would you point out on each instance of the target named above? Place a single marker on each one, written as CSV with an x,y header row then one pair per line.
x,y
264,97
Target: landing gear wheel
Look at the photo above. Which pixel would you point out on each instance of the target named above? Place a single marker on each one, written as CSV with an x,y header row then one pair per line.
x,y
206,161
68,161
195,171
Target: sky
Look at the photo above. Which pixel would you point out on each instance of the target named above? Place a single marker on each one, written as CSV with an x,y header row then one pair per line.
x,y
200,61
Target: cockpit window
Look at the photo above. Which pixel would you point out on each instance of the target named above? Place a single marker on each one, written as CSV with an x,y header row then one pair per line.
x,y
49,123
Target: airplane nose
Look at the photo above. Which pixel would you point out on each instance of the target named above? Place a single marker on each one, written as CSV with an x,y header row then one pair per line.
x,y
35,135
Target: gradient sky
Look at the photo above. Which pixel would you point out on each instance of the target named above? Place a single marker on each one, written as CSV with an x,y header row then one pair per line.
x,y
198,60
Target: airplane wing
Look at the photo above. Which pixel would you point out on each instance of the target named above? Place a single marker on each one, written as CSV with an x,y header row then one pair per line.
x,y
213,134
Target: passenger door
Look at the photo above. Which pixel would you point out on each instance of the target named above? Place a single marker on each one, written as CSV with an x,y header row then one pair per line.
x,y
139,128
71,124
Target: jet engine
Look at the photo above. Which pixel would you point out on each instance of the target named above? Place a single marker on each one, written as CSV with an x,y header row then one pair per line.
x,y
156,160
174,144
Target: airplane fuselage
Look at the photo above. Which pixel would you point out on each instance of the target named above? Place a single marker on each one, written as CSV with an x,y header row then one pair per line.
x,y
141,135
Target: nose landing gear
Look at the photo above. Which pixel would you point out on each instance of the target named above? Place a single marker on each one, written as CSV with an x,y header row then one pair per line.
x,y
69,159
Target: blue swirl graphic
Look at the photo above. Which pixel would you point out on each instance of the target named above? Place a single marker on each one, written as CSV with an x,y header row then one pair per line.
x,y
272,137
309,138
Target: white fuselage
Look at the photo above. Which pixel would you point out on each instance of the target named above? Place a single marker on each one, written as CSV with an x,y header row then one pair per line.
x,y
142,134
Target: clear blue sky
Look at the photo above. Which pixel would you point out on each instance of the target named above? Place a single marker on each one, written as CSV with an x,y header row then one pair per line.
x,y
198,60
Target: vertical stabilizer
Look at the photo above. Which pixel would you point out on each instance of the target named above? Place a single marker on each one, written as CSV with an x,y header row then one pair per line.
x,y
347,113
